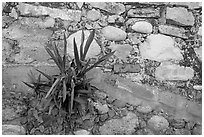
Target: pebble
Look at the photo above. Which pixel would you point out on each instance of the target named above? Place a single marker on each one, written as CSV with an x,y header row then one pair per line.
x,y
94,47
110,100
102,109
123,126
197,87
179,16
142,27
144,109
111,113
159,47
200,31
93,15
113,33
103,117
198,52
13,130
158,123
82,132
175,72
115,19
119,103
178,124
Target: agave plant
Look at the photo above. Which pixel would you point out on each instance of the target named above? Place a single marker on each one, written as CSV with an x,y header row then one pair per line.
x,y
70,88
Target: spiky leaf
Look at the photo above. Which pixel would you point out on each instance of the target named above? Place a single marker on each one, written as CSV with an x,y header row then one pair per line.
x,y
72,95
44,74
57,81
82,43
76,55
65,51
64,90
88,43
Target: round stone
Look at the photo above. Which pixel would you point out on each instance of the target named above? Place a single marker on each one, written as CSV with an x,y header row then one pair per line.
x,y
158,123
142,26
93,15
113,33
82,132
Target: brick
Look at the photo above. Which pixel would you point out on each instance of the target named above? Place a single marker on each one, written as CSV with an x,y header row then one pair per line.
x,y
13,75
173,31
144,12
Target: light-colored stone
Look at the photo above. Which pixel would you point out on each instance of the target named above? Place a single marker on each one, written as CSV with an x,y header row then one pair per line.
x,y
200,31
64,14
198,52
144,109
80,4
112,7
115,19
13,130
113,33
173,31
122,51
159,47
9,114
167,71
94,47
82,132
179,16
101,108
93,15
124,126
197,87
158,123
14,14
143,27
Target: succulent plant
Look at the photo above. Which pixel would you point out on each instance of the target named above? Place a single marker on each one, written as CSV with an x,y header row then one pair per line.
x,y
70,89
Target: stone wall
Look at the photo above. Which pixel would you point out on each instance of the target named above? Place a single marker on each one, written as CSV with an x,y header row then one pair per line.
x,y
26,27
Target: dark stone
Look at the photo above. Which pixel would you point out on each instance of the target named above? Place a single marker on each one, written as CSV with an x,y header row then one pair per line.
x,y
180,123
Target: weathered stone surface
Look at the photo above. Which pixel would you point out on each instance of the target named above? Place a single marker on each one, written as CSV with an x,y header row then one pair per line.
x,y
144,12
124,126
122,51
173,31
173,72
13,13
112,7
143,27
198,52
197,87
157,123
127,68
190,5
179,16
13,75
30,10
9,114
119,103
38,22
93,15
94,47
13,130
113,33
82,132
159,47
21,32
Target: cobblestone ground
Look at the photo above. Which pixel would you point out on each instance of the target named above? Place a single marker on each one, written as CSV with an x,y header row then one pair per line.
x,y
151,85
